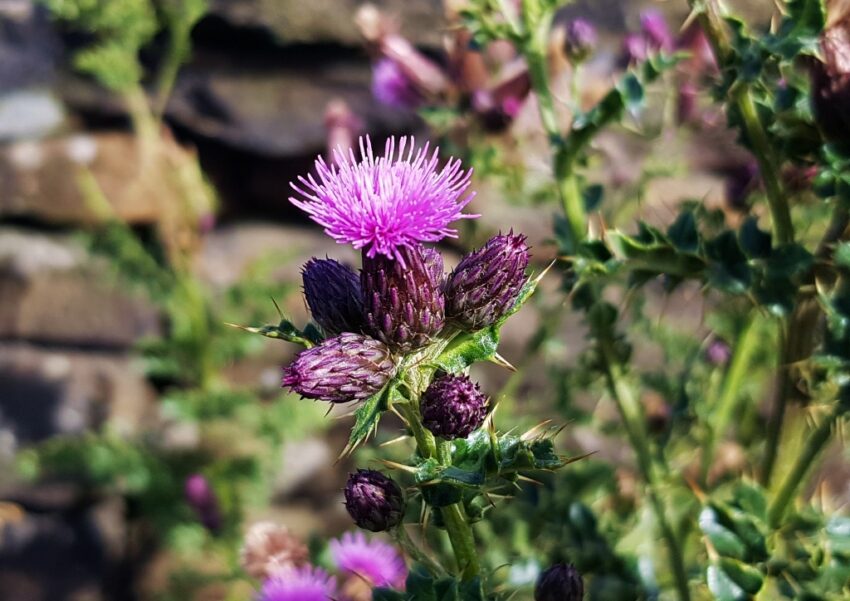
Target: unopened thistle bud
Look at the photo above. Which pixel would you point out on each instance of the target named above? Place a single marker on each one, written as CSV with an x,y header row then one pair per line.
x,y
561,582
333,294
580,40
405,307
349,367
486,283
374,501
202,499
453,407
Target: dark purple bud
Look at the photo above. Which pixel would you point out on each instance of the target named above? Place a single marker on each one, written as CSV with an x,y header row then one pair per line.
x,y
561,582
201,498
374,501
486,283
580,40
404,303
741,180
453,407
333,294
718,352
392,87
349,367
635,50
831,84
654,28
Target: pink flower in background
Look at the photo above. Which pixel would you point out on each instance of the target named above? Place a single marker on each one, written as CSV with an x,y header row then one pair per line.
x,y
383,204
653,25
392,87
373,560
299,584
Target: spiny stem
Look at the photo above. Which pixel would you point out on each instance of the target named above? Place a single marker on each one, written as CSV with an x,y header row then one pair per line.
x,y
403,539
454,517
815,444
631,413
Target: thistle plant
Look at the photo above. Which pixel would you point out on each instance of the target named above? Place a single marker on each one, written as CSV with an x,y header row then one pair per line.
x,y
409,350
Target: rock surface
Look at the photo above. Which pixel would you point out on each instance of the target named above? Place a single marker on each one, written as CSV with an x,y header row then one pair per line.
x,y
51,293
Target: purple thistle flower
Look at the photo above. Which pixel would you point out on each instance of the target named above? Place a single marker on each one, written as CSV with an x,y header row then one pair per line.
x,y
653,25
384,204
580,39
373,500
392,87
332,291
299,584
404,301
486,283
453,407
201,498
718,352
561,582
349,367
373,560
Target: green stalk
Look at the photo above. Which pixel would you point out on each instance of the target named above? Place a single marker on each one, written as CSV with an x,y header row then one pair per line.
x,y
454,517
631,413
728,400
534,46
402,538
815,444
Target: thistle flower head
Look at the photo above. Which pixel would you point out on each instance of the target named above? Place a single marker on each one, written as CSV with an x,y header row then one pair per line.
x,y
561,582
271,548
382,205
453,407
299,584
372,560
332,291
653,25
349,367
486,283
373,500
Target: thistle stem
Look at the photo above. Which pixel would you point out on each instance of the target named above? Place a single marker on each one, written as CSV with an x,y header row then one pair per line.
x,y
454,517
534,50
631,413
815,444
402,538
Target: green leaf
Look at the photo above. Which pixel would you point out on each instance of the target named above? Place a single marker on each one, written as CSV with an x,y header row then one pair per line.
x,y
368,415
592,197
467,348
754,242
683,233
285,330
724,541
386,594
745,576
722,587
728,270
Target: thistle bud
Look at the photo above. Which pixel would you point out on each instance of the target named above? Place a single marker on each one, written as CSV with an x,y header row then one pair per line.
x,y
271,548
392,87
453,407
654,28
635,50
333,294
373,500
561,582
486,283
349,367
580,40
201,498
405,307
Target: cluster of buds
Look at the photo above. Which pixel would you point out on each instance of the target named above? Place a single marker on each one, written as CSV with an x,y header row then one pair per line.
x,y
398,306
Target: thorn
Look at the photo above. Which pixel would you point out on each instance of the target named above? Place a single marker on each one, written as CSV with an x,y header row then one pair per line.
x,y
398,466
395,440
529,480
276,306
502,362
534,431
